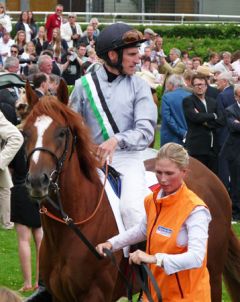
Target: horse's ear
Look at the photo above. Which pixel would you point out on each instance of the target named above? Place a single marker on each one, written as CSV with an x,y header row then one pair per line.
x,y
62,92
32,98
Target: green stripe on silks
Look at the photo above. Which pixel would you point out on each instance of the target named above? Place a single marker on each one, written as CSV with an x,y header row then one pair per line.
x,y
94,108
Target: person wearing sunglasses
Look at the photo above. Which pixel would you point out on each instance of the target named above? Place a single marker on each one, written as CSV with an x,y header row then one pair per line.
x,y
129,128
14,51
71,30
54,21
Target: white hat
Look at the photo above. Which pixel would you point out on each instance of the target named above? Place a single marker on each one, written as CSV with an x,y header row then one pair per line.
x,y
148,77
72,14
149,31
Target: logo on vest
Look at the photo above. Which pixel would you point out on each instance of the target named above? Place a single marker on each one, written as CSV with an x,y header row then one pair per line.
x,y
164,231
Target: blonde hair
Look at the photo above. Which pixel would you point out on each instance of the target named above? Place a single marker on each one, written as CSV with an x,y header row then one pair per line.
x,y
91,51
17,37
7,295
176,153
45,33
56,42
27,45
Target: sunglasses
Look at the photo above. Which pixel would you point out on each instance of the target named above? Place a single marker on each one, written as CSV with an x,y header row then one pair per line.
x,y
13,51
59,10
199,85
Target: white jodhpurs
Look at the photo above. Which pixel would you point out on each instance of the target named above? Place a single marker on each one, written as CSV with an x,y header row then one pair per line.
x,y
134,188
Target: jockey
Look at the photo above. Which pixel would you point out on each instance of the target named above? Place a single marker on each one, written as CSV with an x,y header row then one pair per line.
x,y
120,111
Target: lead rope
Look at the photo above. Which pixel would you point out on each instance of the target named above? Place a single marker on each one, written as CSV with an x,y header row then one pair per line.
x,y
137,269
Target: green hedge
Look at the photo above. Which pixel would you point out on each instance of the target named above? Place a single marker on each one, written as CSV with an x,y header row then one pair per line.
x,y
219,31
198,40
201,47
215,31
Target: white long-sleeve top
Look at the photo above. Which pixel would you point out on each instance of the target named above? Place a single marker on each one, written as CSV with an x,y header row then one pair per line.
x,y
5,20
193,234
10,142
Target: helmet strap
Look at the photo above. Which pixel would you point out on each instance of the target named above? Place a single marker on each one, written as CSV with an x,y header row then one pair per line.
x,y
118,64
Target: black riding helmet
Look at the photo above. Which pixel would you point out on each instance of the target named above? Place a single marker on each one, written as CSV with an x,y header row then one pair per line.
x,y
117,37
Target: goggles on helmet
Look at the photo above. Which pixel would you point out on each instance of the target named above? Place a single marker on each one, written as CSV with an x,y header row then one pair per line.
x,y
128,39
132,36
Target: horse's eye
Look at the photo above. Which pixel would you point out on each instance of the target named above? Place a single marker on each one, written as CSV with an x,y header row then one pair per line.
x,y
62,133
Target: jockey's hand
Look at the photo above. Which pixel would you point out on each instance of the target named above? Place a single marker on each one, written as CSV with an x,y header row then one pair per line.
x,y
139,256
101,246
106,150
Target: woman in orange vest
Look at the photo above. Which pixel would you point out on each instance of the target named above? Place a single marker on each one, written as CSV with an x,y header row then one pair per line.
x,y
176,229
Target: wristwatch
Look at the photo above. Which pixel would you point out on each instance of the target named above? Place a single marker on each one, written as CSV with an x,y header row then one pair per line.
x,y
159,257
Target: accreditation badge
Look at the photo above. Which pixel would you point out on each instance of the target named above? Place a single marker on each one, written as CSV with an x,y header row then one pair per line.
x,y
164,231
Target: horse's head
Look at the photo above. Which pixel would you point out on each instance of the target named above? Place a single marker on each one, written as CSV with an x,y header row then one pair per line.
x,y
47,139
50,131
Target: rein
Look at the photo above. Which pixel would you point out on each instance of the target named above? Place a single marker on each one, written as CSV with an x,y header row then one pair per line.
x,y
139,271
65,217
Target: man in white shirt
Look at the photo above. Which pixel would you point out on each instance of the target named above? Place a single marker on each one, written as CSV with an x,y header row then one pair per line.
x,y
71,31
149,35
225,64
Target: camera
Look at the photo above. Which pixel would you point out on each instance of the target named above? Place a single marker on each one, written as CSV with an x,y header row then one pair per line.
x,y
72,57
27,61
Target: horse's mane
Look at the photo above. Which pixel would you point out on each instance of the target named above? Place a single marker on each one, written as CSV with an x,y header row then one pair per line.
x,y
52,107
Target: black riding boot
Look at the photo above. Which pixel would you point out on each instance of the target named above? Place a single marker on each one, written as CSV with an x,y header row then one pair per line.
x,y
40,295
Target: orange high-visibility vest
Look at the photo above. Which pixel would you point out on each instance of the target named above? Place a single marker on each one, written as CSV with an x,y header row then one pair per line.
x,y
165,217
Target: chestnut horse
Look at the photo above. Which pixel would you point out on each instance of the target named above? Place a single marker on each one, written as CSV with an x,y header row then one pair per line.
x,y
54,133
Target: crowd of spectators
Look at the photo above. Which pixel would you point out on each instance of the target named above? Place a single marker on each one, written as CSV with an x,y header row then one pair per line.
x,y
195,108
70,48
67,45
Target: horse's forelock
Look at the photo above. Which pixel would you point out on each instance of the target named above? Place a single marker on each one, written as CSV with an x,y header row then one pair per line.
x,y
62,114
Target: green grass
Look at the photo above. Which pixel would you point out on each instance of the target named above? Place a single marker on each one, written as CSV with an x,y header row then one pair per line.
x,y
10,271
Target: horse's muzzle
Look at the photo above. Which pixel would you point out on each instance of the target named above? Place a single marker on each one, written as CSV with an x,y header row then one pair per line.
x,y
38,185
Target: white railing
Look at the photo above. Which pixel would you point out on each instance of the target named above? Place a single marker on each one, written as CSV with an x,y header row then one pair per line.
x,y
142,18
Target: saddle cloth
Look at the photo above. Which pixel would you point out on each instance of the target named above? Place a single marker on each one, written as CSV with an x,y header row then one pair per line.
x,y
114,178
